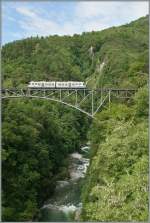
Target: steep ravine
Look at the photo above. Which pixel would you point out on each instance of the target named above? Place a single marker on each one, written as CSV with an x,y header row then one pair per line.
x,y
65,204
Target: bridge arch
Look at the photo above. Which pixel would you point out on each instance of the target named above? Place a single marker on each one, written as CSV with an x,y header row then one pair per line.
x,y
80,96
51,99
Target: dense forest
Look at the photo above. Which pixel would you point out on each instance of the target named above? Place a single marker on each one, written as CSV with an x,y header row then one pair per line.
x,y
37,135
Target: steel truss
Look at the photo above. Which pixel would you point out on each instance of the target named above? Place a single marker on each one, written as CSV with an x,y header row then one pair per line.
x,y
87,101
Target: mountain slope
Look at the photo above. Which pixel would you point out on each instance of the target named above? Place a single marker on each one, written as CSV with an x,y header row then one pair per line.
x,y
37,135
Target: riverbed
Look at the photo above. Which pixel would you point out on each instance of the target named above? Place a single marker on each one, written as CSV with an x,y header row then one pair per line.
x,y
65,204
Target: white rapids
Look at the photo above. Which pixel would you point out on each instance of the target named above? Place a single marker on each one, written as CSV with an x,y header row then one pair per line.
x,y
65,204
78,166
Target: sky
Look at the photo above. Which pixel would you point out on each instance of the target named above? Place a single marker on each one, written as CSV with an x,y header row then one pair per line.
x,y
22,19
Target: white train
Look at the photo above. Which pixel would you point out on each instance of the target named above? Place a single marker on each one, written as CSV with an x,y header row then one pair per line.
x,y
56,84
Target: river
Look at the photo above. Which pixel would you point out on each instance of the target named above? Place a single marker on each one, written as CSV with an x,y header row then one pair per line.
x,y
65,204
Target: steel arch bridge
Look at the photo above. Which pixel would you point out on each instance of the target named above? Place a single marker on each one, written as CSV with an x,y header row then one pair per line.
x,y
87,101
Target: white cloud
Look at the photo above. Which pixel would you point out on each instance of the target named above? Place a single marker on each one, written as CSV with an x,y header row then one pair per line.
x,y
26,11
86,16
92,9
139,9
96,15
111,9
35,23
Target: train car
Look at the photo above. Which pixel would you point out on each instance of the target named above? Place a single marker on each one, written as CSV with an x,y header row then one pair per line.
x,y
41,84
57,84
75,84
62,84
50,84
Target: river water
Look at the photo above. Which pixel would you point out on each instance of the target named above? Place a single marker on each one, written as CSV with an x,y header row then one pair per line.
x,y
65,204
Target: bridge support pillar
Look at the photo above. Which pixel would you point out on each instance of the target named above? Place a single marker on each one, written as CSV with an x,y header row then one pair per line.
x,y
109,97
28,93
84,93
76,98
44,92
60,94
92,103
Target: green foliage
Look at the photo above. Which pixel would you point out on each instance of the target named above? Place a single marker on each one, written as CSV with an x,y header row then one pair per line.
x,y
124,50
39,135
141,102
35,144
116,187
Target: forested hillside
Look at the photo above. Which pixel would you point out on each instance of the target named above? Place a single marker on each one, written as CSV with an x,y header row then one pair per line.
x,y
37,136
